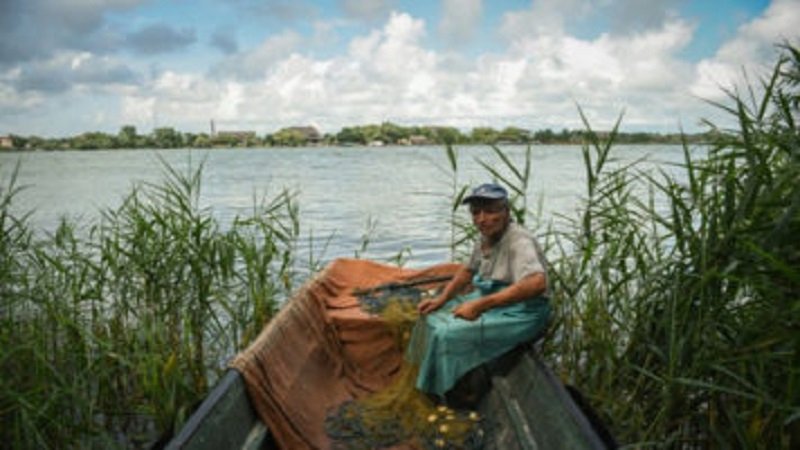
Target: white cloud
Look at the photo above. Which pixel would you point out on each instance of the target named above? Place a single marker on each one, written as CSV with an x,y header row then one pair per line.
x,y
460,20
752,50
607,74
182,100
256,63
70,70
12,102
545,17
138,110
388,73
635,16
367,9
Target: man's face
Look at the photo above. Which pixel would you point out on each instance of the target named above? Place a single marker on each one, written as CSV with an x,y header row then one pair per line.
x,y
490,217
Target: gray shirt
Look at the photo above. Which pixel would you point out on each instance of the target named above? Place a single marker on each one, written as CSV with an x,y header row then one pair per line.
x,y
514,257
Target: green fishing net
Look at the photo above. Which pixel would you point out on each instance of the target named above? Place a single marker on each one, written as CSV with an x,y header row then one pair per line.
x,y
400,413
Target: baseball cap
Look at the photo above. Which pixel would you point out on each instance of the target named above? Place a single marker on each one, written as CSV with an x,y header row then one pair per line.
x,y
486,191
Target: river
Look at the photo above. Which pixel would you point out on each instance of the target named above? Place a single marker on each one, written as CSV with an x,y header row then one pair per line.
x,y
401,194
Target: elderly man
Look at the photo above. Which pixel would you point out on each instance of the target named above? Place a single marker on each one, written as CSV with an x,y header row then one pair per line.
x,y
507,306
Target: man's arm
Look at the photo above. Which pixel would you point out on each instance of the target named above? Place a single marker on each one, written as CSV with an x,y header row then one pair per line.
x,y
530,286
461,278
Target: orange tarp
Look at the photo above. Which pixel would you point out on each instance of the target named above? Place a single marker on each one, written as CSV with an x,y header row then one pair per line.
x,y
322,349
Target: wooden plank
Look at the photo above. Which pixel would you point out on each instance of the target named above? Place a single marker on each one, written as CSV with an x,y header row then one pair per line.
x,y
225,420
538,409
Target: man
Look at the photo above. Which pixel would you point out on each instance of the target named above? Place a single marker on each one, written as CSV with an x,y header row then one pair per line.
x,y
507,306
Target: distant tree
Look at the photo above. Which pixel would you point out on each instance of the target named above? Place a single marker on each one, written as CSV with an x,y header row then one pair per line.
x,y
392,133
351,135
329,139
201,140
167,137
484,135
372,133
544,136
514,135
446,135
18,141
289,137
126,138
93,141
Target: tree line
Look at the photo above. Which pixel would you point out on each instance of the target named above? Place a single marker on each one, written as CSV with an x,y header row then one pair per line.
x,y
386,133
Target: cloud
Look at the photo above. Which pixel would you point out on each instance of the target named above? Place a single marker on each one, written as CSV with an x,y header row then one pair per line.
x,y
367,10
256,63
545,17
460,20
274,86
93,70
182,100
388,72
62,73
224,41
13,103
634,16
606,75
160,38
752,49
535,83
279,11
34,29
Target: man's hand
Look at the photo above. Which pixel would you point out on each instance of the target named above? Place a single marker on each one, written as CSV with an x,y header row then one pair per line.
x,y
469,310
430,305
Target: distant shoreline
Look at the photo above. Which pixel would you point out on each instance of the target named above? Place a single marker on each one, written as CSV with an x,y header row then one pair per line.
x,y
383,135
333,146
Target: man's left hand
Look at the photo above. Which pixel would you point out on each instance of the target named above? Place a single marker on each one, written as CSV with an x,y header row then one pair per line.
x,y
468,310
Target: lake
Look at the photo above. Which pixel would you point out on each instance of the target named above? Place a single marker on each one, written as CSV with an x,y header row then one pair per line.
x,y
401,194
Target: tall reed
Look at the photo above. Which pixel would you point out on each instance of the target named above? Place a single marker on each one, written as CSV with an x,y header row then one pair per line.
x,y
108,336
677,297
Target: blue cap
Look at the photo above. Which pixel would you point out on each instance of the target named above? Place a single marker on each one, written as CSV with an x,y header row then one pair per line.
x,y
488,191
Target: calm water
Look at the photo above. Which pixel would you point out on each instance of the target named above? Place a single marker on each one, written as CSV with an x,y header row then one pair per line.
x,y
404,192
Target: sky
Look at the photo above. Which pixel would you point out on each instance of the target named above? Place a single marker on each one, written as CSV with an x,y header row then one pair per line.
x,y
72,66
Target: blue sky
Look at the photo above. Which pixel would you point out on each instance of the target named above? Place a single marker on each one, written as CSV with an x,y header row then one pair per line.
x,y
70,66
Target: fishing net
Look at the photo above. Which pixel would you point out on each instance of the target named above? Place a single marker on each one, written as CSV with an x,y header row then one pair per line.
x,y
400,413
328,345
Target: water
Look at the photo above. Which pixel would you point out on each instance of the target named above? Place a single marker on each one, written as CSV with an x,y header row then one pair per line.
x,y
402,194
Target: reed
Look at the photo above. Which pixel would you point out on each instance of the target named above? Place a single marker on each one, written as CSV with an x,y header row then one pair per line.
x,y
676,296
109,337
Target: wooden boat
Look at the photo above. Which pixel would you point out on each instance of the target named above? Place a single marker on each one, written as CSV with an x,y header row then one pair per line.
x,y
532,408
528,406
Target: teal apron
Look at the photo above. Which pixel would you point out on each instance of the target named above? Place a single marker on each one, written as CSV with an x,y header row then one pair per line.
x,y
447,347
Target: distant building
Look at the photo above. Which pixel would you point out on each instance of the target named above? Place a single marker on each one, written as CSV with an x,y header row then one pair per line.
x,y
419,139
310,133
242,137
6,142
237,134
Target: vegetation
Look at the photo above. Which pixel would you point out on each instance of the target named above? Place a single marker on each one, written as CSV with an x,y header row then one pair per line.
x,y
109,338
677,297
384,134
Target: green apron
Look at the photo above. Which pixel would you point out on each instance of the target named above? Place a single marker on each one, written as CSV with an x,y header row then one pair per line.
x,y
446,347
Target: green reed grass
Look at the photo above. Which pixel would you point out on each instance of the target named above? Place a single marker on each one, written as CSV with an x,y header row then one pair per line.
x,y
110,337
682,324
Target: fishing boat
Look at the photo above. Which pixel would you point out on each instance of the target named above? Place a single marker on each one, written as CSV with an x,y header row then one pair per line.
x,y
529,407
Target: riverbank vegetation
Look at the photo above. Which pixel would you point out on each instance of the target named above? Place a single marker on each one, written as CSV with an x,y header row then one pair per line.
x,y
677,297
377,135
109,338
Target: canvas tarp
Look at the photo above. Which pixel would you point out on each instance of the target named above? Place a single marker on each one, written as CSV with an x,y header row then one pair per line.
x,y
323,349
